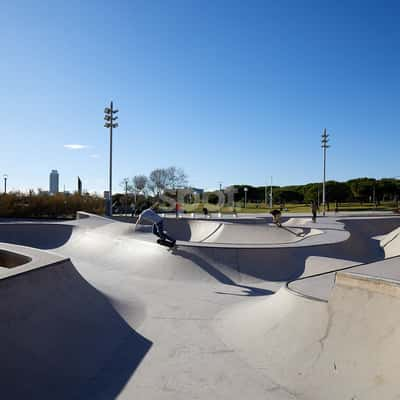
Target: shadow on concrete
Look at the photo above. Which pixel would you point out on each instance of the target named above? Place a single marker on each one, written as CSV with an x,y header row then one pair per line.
x,y
40,236
249,291
61,339
220,276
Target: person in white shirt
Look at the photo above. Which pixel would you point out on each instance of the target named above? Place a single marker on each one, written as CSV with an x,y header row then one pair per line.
x,y
158,223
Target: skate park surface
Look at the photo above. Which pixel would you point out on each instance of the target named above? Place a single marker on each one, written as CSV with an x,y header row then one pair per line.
x,y
92,309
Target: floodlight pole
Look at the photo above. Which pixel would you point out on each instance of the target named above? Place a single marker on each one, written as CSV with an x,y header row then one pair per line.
x,y
111,160
5,177
270,196
109,118
324,145
266,194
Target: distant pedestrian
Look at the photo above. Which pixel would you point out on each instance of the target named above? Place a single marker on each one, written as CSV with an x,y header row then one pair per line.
x,y
276,217
314,209
177,210
336,206
205,211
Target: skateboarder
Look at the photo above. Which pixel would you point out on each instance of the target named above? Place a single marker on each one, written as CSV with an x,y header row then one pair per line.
x,y
158,224
276,217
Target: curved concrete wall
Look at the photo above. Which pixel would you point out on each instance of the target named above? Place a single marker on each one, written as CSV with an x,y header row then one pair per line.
x,y
38,235
190,230
391,243
9,259
342,349
61,339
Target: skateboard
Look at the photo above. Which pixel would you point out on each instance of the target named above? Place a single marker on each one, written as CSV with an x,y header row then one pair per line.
x,y
169,245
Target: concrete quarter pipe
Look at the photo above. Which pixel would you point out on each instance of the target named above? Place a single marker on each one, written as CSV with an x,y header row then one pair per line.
x,y
97,311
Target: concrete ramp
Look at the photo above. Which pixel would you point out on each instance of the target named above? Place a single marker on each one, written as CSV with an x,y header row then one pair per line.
x,y
243,234
391,243
345,348
82,329
214,232
61,339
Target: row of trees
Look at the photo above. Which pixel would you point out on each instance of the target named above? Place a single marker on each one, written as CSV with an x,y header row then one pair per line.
x,y
362,190
40,205
159,180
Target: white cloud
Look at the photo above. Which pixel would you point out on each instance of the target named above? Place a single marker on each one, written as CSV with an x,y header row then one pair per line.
x,y
75,146
94,156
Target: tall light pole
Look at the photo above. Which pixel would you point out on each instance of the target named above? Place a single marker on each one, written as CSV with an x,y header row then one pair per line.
x,y
110,118
270,196
324,145
266,194
220,192
125,183
5,177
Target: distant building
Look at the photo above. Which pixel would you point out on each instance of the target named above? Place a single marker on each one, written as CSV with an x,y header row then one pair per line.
x,y
54,182
79,186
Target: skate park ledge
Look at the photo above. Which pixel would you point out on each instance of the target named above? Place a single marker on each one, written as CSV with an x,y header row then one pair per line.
x,y
385,286
16,260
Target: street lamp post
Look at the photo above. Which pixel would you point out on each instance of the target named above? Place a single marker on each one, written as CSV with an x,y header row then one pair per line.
x,y
125,182
324,145
5,177
110,118
270,196
219,196
245,197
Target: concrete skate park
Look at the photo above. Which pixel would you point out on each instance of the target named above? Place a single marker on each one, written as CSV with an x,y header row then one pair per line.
x,y
92,309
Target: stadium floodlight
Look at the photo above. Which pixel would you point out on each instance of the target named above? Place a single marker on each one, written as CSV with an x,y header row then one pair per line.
x,y
5,177
109,117
324,145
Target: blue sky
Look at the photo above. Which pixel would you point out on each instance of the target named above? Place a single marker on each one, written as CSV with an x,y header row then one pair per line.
x,y
230,91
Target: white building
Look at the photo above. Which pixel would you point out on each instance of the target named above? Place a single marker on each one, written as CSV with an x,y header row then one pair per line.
x,y
54,182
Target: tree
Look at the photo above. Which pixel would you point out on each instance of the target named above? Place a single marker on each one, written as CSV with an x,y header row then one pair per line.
x,y
338,191
139,183
176,178
162,179
158,181
288,196
311,192
387,189
362,188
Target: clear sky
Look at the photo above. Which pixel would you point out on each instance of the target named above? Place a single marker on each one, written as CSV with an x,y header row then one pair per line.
x,y
231,91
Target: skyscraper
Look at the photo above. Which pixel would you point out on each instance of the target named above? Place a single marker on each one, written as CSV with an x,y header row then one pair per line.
x,y
79,186
53,181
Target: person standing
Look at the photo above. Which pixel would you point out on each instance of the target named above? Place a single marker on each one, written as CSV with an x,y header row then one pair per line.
x,y
314,209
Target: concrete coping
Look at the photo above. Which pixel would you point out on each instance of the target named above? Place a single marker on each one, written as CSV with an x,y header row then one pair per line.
x,y
370,283
33,258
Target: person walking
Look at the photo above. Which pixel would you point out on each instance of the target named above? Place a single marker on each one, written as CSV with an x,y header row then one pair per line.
x,y
314,209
